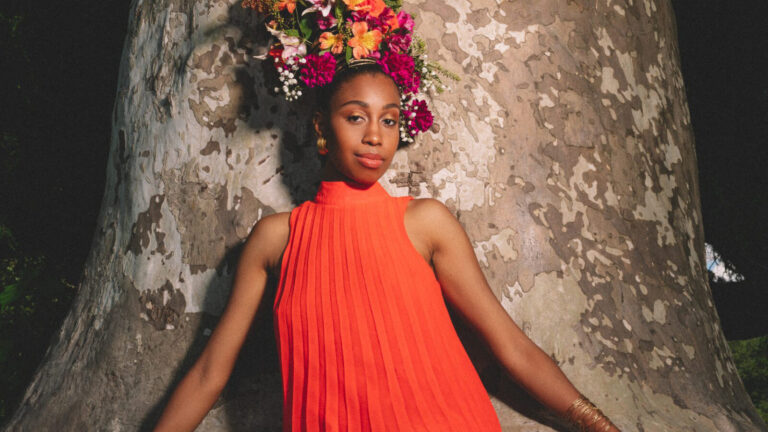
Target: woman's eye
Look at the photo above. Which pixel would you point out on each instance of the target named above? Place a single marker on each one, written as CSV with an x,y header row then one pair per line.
x,y
390,122
355,118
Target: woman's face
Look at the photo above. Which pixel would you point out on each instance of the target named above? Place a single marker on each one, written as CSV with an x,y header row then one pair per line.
x,y
364,128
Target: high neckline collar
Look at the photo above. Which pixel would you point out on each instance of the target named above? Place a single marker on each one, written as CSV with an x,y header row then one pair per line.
x,y
343,193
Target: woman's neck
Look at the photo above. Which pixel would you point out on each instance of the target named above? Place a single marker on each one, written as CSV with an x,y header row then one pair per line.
x,y
328,174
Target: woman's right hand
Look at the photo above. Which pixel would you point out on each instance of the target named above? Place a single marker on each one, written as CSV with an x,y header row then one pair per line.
x,y
201,386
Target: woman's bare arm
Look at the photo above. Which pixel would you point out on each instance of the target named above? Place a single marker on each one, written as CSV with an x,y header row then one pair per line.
x,y
466,288
200,388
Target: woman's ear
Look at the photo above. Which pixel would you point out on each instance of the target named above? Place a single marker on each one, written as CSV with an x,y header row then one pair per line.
x,y
318,122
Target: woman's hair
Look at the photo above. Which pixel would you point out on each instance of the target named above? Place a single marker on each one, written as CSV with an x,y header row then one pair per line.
x,y
325,93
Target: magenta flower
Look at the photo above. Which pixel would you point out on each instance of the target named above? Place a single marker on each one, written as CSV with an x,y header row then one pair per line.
x,y
423,119
325,22
405,21
318,70
400,67
399,43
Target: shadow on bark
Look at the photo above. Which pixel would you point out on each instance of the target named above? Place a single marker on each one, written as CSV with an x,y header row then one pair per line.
x,y
498,383
255,378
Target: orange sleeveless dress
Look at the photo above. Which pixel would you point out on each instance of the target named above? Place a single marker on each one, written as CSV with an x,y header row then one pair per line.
x,y
364,337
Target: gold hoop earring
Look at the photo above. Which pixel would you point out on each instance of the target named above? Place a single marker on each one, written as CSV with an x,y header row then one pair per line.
x,y
321,146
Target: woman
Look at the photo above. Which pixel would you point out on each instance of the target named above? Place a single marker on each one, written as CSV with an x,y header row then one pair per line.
x,y
365,341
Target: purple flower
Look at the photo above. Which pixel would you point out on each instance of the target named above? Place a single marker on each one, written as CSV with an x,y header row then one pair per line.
x,y
325,22
399,42
318,70
404,20
400,67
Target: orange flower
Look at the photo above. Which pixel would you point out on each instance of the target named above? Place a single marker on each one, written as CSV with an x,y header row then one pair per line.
x,y
354,5
377,7
364,41
373,7
287,4
330,40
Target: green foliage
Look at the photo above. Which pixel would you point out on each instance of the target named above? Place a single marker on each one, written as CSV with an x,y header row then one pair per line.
x,y
751,358
394,4
306,28
32,302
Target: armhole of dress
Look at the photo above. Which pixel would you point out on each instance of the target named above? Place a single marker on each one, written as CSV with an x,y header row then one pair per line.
x,y
286,253
405,200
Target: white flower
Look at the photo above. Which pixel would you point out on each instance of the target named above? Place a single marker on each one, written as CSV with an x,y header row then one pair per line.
x,y
324,6
292,45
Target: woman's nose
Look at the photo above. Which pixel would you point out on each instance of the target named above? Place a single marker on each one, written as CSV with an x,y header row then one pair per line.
x,y
372,134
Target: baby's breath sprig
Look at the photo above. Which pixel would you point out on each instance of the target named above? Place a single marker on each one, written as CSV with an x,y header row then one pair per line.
x,y
431,72
288,74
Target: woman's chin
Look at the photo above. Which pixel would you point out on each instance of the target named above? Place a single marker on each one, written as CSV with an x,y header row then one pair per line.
x,y
363,176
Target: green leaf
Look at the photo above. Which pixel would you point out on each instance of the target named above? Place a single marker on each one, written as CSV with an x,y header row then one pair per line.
x,y
348,53
292,32
338,11
395,5
9,294
305,25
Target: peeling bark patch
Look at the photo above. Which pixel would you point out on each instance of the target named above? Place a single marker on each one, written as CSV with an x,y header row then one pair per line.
x,y
122,159
226,93
163,307
146,225
209,227
212,146
206,60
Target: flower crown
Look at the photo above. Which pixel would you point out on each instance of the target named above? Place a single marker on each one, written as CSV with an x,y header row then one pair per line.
x,y
317,38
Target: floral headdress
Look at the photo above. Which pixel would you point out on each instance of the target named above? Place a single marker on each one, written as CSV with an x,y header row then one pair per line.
x,y
317,38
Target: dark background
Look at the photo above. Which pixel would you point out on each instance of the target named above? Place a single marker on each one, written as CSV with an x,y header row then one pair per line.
x,y
58,75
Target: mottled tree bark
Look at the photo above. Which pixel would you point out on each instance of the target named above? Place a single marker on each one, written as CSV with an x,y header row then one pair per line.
x,y
566,151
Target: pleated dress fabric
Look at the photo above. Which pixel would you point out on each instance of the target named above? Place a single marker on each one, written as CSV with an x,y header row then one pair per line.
x,y
365,340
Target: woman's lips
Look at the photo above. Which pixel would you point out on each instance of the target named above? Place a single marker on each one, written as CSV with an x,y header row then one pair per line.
x,y
370,160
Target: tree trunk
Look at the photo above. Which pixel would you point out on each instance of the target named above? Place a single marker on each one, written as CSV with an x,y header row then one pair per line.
x,y
566,152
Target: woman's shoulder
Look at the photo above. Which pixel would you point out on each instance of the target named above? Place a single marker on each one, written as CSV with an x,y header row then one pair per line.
x,y
434,224
427,207
427,215
269,237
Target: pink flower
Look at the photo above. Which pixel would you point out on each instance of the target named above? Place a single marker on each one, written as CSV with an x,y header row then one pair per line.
x,y
400,67
405,21
318,70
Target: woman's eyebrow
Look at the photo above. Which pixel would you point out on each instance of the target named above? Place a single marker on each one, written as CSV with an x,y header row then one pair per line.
x,y
365,105
355,102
